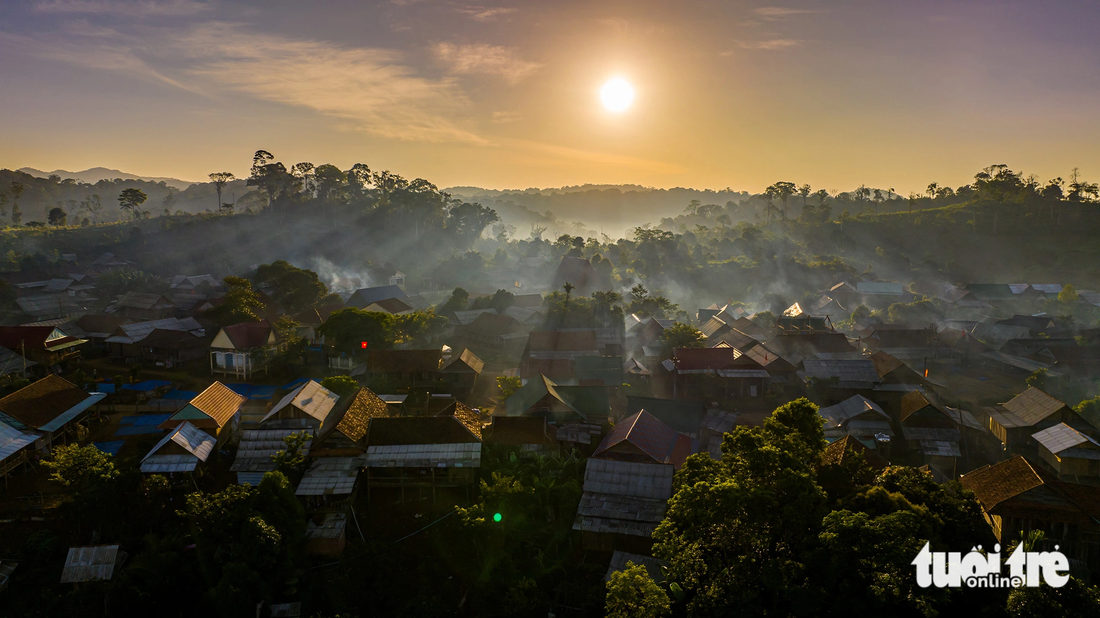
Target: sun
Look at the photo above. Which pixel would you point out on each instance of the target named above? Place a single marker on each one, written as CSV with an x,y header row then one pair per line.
x,y
617,95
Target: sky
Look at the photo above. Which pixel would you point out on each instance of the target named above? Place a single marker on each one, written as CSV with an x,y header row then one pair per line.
x,y
838,93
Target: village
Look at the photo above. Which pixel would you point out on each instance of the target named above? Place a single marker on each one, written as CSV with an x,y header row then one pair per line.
x,y
381,435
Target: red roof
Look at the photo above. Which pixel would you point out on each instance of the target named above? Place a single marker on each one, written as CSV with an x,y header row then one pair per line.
x,y
248,335
654,438
33,337
705,358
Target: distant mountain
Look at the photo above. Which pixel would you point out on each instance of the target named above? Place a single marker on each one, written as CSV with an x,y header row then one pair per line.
x,y
96,174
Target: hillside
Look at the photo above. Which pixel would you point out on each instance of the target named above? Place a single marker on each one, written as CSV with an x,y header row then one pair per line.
x,y
95,174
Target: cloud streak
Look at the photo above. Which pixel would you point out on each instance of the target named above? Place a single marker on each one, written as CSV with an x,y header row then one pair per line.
x,y
768,44
132,8
481,13
772,13
485,59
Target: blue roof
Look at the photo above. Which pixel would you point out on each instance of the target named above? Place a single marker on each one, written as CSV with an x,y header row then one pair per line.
x,y
137,431
73,412
148,385
105,387
295,384
255,391
111,448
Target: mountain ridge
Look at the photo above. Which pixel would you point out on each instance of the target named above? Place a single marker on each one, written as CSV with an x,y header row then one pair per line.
x,y
93,175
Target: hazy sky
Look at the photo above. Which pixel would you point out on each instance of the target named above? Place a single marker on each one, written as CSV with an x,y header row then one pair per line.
x,y
505,95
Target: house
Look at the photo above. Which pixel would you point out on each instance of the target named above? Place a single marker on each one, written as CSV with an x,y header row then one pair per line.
x,y
172,348
310,403
859,418
622,503
599,371
329,480
527,436
642,438
365,297
777,365
184,449
930,430
52,406
1072,455
345,434
47,345
92,563
814,344
326,535
422,452
529,317
527,301
126,340
492,329
406,368
392,306
1014,422
552,352
891,370
98,327
258,447
722,372
542,397
50,306
242,350
460,371
216,411
803,324
879,292
141,306
1017,497
843,374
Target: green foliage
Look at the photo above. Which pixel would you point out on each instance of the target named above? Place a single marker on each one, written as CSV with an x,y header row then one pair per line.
x,y
923,311
349,326
681,335
1069,295
418,326
240,304
342,385
1037,379
83,468
291,460
296,289
643,304
57,217
508,385
459,301
1076,598
130,200
632,593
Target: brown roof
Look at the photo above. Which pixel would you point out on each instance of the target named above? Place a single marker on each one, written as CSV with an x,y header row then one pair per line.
x,y
994,484
517,430
491,324
844,449
392,305
37,404
466,415
563,340
218,402
404,361
365,405
464,358
248,335
912,402
885,363
101,323
1033,405
418,430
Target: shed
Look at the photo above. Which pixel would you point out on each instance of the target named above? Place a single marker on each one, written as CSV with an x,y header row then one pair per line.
x,y
92,563
182,450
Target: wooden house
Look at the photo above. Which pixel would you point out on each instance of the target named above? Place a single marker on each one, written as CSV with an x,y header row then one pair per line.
x,y
1017,497
459,372
527,436
1014,422
421,452
406,368
859,418
642,438
842,451
216,411
1072,455
929,430
52,407
242,350
365,297
345,434
310,403
46,345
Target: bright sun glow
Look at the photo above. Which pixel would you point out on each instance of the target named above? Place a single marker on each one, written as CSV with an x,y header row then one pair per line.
x,y
617,94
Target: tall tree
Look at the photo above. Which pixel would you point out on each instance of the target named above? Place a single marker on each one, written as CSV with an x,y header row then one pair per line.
x,y
220,179
131,200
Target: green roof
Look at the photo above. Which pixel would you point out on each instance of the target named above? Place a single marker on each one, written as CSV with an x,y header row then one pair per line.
x,y
609,369
584,400
189,413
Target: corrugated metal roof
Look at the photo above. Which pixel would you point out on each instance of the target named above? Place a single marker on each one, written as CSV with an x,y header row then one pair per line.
x,y
92,563
940,448
615,514
330,476
1061,437
195,441
931,433
467,317
844,370
12,440
59,421
311,398
622,478
1032,406
132,333
645,432
466,455
258,446
850,408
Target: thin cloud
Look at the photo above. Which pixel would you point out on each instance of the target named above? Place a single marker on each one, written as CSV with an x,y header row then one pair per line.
x,y
770,45
780,12
481,13
123,7
369,88
486,59
506,117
